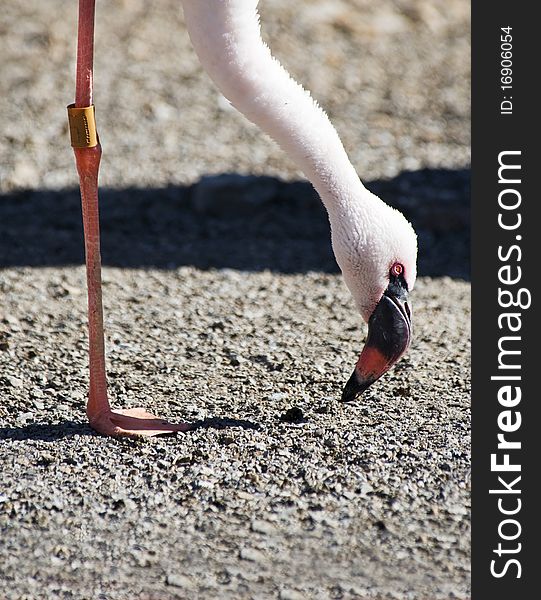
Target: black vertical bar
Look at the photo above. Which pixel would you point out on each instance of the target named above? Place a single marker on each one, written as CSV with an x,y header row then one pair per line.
x,y
506,127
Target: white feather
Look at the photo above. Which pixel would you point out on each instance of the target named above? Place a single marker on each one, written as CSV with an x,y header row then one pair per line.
x,y
368,236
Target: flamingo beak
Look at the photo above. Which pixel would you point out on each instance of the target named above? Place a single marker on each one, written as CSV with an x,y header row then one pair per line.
x,y
389,336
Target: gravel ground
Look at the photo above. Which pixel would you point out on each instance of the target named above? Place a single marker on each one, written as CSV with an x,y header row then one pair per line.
x,y
224,307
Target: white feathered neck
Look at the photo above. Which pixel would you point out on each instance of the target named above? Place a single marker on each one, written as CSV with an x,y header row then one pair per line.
x,y
226,37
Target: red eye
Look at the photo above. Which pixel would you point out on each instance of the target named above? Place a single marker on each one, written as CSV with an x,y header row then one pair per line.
x,y
397,269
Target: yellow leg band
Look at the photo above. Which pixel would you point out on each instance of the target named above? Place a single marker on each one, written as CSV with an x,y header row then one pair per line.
x,y
82,124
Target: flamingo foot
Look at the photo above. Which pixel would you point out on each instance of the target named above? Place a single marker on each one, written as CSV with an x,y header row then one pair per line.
x,y
133,422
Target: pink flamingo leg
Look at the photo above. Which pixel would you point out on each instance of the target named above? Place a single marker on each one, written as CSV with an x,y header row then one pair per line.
x,y
127,422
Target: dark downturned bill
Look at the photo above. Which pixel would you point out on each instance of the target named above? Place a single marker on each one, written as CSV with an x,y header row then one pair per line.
x,y
389,336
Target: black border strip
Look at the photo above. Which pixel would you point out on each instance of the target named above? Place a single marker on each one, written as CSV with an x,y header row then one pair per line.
x,y
498,130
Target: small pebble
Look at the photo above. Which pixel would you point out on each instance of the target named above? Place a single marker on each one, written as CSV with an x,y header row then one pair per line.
x,y
292,415
251,555
179,581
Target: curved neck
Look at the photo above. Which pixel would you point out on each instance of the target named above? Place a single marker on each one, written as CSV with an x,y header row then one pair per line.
x,y
226,37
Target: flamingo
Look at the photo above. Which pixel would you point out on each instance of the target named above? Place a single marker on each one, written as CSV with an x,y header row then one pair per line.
x,y
373,243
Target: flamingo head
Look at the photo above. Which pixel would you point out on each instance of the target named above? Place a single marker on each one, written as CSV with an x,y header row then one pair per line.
x,y
376,249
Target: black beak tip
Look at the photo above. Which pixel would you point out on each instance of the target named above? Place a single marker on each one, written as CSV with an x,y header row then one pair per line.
x,y
354,388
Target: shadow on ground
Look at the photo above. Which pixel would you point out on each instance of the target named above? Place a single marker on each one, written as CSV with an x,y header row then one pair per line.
x,y
51,433
247,223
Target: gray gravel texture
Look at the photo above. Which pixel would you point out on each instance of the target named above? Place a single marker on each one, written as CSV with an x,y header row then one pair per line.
x,y
224,307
